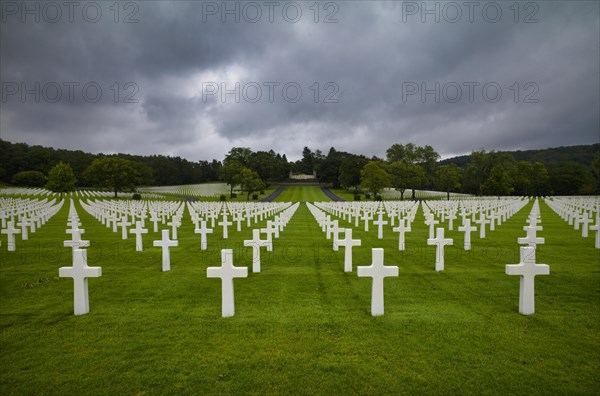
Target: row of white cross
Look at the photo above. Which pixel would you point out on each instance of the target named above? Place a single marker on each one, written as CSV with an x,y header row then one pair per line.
x,y
27,215
227,271
376,271
579,212
80,271
527,268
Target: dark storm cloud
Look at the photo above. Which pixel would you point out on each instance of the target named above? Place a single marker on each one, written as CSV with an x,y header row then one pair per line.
x,y
175,56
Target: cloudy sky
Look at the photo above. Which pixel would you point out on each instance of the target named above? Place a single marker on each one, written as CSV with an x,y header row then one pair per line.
x,y
186,78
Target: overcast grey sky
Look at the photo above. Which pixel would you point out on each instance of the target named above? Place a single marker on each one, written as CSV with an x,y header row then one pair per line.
x,y
357,75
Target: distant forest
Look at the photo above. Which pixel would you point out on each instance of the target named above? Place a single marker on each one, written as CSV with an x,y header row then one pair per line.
x,y
560,171
583,155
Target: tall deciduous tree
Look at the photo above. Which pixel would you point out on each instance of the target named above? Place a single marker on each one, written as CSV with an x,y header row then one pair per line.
x,y
250,181
61,179
498,183
447,178
350,171
116,173
374,178
404,175
539,179
405,153
522,174
29,179
231,173
239,154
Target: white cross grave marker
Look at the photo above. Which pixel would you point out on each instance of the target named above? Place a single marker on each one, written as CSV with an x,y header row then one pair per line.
x,y
403,227
80,272
23,224
482,222
138,231
225,224
348,243
527,269
596,228
431,222
123,224
467,228
256,243
531,239
378,272
10,232
76,242
203,231
227,272
380,223
440,242
165,243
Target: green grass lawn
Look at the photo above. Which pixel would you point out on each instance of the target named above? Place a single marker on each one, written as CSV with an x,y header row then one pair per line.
x,y
302,194
302,325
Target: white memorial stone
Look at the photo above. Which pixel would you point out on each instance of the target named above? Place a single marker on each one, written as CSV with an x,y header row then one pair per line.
x,y
380,223
467,229
348,243
227,272
401,230
123,224
531,239
225,224
138,231
165,243
482,221
440,242
527,269
203,231
10,232
80,272
378,272
23,224
256,243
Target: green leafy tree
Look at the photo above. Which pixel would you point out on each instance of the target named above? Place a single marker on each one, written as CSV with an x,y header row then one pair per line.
x,y
447,178
404,175
498,183
374,178
405,153
239,154
539,179
29,179
250,181
265,164
417,179
61,179
115,173
350,171
427,158
522,174
596,171
231,173
480,169
306,164
571,179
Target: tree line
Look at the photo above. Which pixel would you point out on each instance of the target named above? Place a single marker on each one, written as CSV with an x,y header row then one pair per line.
x,y
411,167
406,167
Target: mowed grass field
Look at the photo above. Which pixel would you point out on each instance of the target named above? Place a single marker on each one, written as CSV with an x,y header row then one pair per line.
x,y
302,194
302,325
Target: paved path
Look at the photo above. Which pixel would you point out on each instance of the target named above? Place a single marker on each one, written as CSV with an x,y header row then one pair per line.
x,y
331,195
273,196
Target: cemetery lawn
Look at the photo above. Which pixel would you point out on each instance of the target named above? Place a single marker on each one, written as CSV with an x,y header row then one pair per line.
x,y
302,194
302,325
